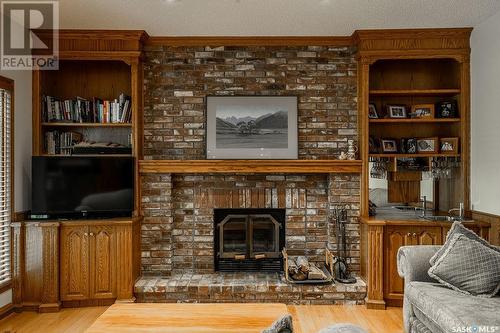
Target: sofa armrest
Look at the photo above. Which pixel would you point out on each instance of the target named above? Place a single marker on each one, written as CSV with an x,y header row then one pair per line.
x,y
413,262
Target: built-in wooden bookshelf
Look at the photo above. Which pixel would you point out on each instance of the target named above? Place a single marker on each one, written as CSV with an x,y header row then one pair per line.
x,y
94,64
409,67
420,80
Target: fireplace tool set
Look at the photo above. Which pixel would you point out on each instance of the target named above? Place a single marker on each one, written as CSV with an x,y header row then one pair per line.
x,y
342,272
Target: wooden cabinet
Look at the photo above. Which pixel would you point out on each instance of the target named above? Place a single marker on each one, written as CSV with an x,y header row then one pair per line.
x,y
395,237
380,242
427,236
102,257
35,266
74,263
88,262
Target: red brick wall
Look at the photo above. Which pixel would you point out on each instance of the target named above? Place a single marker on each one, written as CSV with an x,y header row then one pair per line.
x,y
178,230
177,233
177,79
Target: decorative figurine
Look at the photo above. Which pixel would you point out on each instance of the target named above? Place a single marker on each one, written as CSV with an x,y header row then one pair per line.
x,y
351,150
342,156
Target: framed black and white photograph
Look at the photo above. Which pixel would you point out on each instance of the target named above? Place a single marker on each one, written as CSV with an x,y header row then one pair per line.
x,y
427,145
252,127
411,146
372,111
422,111
447,109
397,111
389,146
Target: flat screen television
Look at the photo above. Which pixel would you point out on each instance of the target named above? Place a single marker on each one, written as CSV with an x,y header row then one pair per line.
x,y
76,187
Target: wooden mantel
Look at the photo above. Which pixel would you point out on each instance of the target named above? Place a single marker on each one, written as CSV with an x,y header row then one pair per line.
x,y
249,166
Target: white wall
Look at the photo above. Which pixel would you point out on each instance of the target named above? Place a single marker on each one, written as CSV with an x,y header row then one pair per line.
x,y
22,147
22,137
485,115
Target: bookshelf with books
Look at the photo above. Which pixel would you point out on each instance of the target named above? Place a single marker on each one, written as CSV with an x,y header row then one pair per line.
x,y
80,110
94,98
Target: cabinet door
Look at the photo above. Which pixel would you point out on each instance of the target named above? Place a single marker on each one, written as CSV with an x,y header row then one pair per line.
x,y
102,262
74,263
395,237
428,235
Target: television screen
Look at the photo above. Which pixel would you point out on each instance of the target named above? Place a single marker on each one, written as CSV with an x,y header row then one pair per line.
x,y
80,186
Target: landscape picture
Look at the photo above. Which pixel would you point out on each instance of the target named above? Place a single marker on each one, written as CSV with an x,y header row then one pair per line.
x,y
251,128
248,127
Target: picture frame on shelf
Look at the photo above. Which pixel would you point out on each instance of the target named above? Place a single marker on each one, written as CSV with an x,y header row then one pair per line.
x,y
447,109
419,111
372,111
411,146
389,146
428,145
397,111
403,145
448,145
373,148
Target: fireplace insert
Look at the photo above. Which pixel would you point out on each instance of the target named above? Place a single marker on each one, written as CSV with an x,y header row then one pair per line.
x,y
249,239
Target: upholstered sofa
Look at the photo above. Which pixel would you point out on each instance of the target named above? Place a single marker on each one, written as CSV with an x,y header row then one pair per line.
x,y
430,307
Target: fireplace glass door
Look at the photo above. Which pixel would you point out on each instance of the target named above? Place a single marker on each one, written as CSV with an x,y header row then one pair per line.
x,y
234,236
249,237
264,236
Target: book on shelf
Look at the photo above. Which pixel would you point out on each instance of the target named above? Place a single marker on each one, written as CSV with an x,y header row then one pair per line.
x,y
81,110
61,143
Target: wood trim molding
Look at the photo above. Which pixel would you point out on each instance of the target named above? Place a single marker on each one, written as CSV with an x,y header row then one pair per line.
x,y
367,39
6,83
6,310
375,280
249,166
20,216
5,286
250,40
493,220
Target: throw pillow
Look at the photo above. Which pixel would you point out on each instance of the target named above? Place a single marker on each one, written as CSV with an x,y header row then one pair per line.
x,y
468,266
458,228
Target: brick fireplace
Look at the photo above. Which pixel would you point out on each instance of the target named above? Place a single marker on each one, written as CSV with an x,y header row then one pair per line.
x,y
178,232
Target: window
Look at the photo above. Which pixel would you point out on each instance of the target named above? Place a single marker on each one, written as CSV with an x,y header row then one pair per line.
x,y
6,179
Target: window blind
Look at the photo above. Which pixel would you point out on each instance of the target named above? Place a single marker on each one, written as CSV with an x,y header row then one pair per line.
x,y
5,184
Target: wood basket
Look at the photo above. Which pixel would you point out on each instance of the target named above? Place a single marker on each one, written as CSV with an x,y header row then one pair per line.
x,y
327,268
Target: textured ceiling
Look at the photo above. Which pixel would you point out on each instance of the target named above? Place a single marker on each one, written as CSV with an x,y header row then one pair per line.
x,y
271,17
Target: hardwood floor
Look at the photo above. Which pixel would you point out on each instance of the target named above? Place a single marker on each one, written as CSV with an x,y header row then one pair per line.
x,y
307,319
67,320
312,318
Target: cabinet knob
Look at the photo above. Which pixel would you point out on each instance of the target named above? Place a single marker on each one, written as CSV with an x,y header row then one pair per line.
x,y
414,234
85,234
91,234
409,234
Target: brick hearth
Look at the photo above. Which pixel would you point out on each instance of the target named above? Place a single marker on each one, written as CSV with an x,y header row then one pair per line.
x,y
245,288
